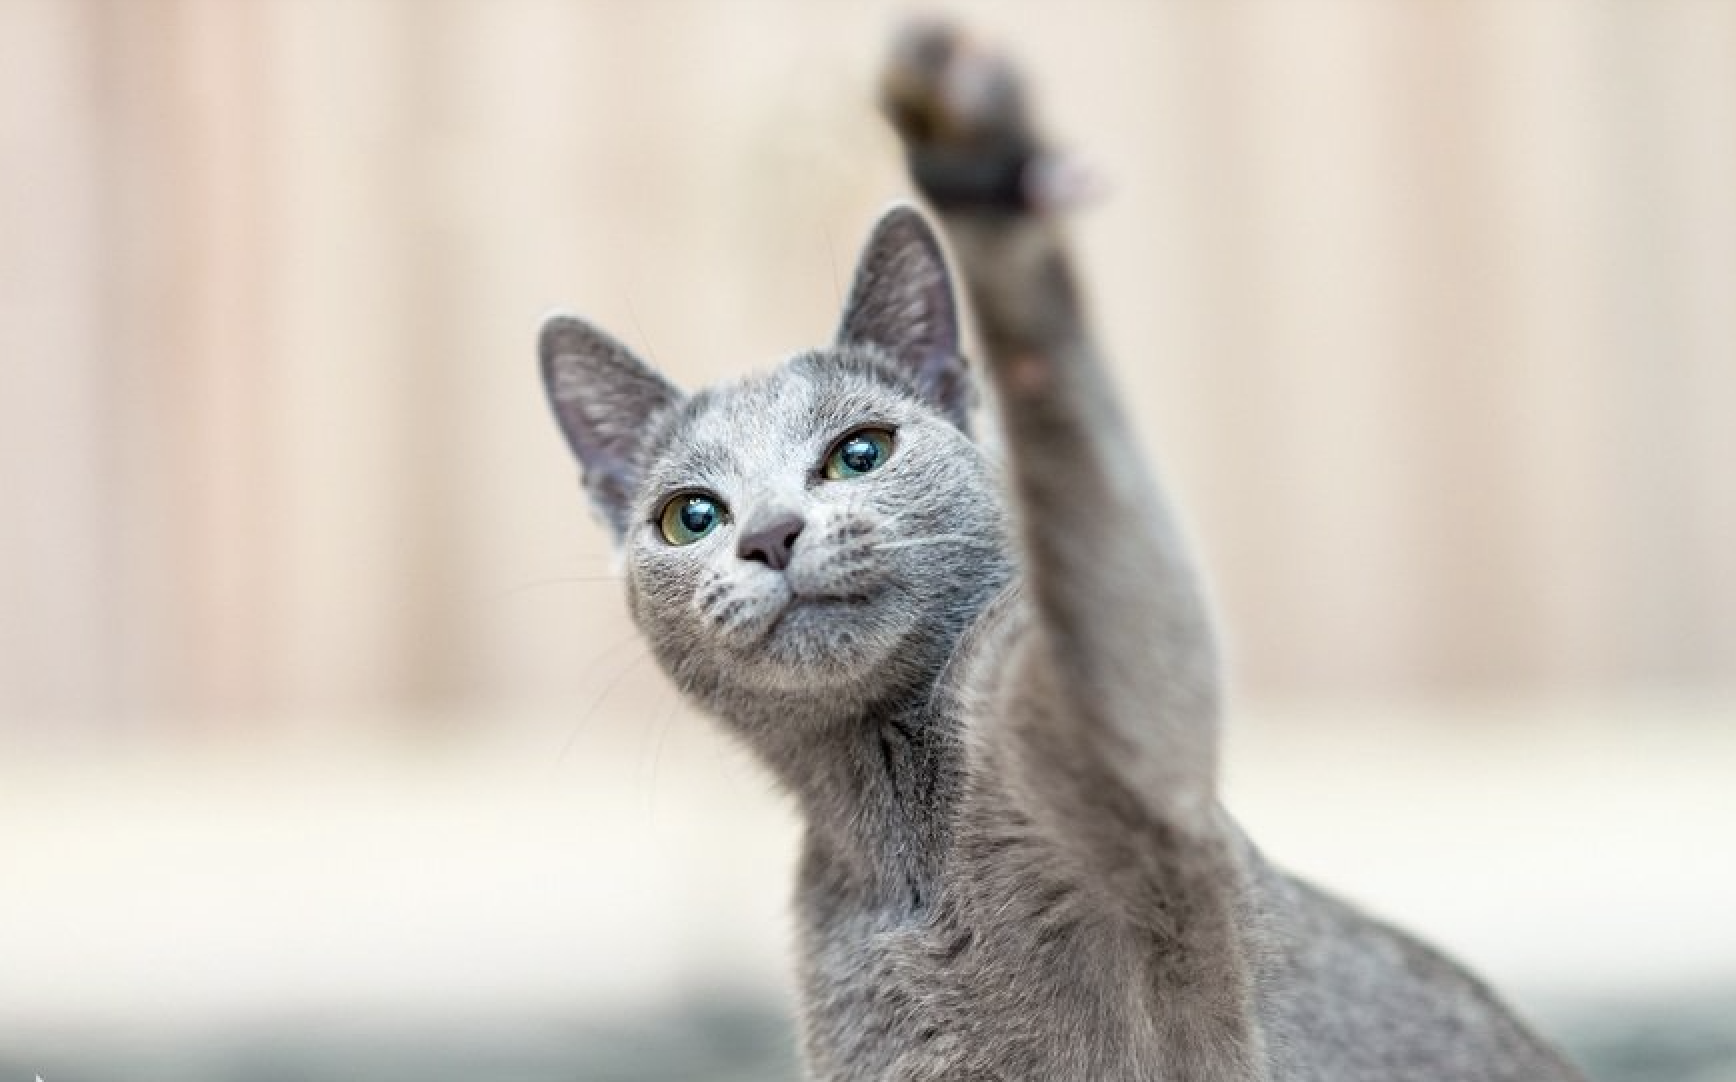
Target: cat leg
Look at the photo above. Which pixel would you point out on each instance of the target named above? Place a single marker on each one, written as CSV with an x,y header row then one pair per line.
x,y
1109,710
1119,599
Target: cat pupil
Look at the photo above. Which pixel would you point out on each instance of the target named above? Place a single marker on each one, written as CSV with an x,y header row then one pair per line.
x,y
698,515
860,455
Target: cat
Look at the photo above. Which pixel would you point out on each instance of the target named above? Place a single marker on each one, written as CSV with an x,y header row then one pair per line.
x,y
989,681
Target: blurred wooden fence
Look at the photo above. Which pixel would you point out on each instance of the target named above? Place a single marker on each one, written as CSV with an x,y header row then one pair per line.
x,y
1429,309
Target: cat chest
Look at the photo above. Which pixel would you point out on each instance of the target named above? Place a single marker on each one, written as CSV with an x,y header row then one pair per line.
x,y
968,990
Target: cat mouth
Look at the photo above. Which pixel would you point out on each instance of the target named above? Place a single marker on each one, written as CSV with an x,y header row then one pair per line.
x,y
809,613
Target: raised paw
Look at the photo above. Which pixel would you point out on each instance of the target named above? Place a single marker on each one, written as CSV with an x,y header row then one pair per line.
x,y
944,91
960,110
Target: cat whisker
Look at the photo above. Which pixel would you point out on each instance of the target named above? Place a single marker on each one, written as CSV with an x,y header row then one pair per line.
x,y
939,539
607,655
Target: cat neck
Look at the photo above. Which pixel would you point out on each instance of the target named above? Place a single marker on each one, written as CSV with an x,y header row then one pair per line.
x,y
876,786
877,781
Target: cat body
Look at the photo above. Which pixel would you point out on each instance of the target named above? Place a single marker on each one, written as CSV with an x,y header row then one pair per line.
x,y
990,683
1018,958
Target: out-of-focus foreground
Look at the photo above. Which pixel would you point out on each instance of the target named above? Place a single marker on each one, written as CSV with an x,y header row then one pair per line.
x,y
318,707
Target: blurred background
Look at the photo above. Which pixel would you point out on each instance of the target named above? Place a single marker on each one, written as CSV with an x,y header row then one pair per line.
x,y
326,748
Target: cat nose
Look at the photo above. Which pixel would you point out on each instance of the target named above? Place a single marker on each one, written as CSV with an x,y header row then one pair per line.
x,y
770,543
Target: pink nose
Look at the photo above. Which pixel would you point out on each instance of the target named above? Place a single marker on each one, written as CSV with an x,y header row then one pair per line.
x,y
771,543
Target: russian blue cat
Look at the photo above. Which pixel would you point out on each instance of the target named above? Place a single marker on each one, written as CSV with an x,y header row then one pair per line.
x,y
989,682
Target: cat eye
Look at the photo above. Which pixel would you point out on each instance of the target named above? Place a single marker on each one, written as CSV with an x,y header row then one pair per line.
x,y
862,451
688,517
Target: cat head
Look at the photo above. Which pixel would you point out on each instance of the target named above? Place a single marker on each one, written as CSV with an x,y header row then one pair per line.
x,y
822,530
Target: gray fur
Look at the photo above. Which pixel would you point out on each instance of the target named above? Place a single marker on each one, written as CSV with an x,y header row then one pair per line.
x,y
993,691
606,401
901,304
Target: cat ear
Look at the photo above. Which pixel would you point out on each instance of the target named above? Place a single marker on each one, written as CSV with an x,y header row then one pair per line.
x,y
902,303
603,396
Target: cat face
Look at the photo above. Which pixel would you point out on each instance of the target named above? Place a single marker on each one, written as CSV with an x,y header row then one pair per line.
x,y
823,530
810,530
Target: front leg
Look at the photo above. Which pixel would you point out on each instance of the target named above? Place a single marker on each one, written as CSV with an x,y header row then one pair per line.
x,y
1120,602
1110,712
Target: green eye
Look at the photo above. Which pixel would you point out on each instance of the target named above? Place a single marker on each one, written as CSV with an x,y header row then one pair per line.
x,y
858,453
689,517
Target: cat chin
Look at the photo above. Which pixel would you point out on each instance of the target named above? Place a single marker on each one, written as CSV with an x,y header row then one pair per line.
x,y
826,645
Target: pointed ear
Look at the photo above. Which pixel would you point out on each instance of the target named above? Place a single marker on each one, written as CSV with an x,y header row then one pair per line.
x,y
902,303
603,396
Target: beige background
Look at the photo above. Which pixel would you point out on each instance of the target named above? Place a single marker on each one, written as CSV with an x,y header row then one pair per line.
x,y
1429,309
313,687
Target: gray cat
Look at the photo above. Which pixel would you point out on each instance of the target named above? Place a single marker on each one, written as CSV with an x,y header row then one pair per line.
x,y
992,687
